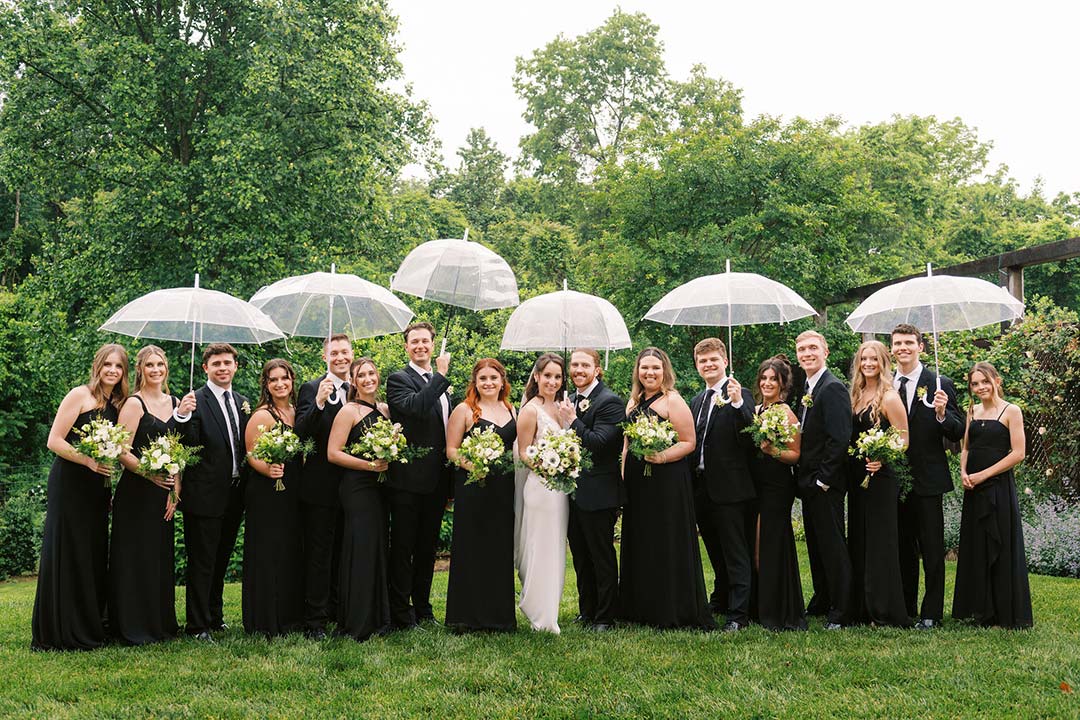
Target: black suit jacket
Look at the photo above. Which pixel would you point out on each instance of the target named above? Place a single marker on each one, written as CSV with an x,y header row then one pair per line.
x,y
206,484
415,404
321,477
826,434
727,451
926,450
598,426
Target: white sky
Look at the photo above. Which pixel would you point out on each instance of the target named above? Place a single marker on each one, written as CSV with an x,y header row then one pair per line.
x,y
1009,69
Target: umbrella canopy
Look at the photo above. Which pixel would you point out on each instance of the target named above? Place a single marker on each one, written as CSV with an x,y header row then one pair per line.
x,y
565,320
320,304
194,315
459,273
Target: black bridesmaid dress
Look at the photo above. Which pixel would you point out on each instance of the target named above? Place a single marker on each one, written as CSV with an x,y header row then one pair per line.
x,y
779,587
991,569
72,586
363,606
273,587
480,595
661,581
142,590
873,539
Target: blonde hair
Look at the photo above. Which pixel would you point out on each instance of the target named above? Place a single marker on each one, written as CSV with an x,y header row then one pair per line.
x,y
667,384
120,390
809,334
141,357
858,380
711,344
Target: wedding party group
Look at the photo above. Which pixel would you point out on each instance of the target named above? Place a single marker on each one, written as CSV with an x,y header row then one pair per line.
x,y
342,482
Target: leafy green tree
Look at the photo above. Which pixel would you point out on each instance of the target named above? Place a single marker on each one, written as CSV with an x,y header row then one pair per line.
x,y
477,184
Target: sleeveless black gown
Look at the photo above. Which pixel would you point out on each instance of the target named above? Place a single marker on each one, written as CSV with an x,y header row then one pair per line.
x,y
142,590
991,569
873,539
363,606
273,586
662,584
480,595
779,588
72,586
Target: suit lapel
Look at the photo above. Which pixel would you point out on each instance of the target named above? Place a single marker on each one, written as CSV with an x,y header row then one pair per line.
x,y
215,412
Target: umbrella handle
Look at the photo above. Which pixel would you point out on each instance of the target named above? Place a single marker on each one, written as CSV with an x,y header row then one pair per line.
x,y
929,403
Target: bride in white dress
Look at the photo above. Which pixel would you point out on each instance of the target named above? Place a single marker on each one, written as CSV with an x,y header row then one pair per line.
x,y
544,513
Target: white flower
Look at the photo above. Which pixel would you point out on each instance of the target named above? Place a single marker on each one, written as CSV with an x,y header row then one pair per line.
x,y
719,400
584,404
1028,491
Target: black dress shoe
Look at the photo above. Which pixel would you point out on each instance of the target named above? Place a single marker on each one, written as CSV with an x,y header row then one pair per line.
x,y
316,634
833,626
203,636
732,626
429,621
927,624
222,627
601,627
583,620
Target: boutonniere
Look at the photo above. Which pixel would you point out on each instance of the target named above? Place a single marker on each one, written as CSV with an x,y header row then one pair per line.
x,y
720,401
921,393
807,401
246,407
583,405
449,389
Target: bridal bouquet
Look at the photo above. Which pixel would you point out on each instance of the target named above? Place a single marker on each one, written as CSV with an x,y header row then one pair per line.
x,y
278,445
558,459
880,445
167,455
104,441
385,441
485,450
772,426
649,434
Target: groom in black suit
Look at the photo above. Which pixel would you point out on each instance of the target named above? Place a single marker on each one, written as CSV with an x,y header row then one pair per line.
x,y
318,405
212,498
825,416
595,413
921,519
417,491
723,487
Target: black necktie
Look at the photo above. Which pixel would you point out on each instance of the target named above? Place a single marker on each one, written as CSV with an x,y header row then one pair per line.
x,y
230,410
343,393
426,376
702,423
903,392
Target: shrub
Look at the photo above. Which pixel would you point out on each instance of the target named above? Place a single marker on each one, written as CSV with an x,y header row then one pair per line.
x,y
18,541
1052,538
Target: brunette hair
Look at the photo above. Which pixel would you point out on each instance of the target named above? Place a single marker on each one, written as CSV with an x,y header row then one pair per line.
x,y
637,391
141,357
422,325
219,349
711,344
472,395
120,390
991,374
595,358
354,390
907,329
858,380
532,387
264,380
781,366
334,338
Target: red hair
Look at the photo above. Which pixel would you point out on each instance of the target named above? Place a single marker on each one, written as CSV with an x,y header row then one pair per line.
x,y
472,396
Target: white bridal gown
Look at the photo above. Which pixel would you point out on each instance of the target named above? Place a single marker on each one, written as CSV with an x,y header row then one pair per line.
x,y
541,550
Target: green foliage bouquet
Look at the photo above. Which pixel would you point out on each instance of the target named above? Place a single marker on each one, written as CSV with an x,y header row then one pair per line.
x,y
167,455
649,434
104,441
385,441
883,445
772,426
278,445
485,451
558,459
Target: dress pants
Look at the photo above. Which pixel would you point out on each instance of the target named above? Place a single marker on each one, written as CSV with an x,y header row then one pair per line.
x,y
824,513
710,535
723,527
322,556
592,543
415,521
922,532
230,528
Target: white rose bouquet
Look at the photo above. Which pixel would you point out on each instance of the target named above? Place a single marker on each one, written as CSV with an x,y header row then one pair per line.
x,y
879,445
771,425
385,441
485,451
649,434
104,441
558,459
167,455
278,445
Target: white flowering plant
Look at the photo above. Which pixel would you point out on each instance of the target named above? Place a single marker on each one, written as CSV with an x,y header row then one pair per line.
x,y
104,441
558,459
772,425
278,445
649,434
486,452
384,440
883,445
167,455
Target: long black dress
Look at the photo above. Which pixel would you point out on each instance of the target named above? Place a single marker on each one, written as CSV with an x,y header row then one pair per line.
x,y
72,587
142,590
480,595
873,538
662,582
779,587
273,587
991,569
363,596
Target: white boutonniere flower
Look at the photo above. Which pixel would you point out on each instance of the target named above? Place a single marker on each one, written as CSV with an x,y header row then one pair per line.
x,y
807,401
584,404
921,393
246,407
720,401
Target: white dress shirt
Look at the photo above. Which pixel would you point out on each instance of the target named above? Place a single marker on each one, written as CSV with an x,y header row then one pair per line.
x,y
718,389
812,382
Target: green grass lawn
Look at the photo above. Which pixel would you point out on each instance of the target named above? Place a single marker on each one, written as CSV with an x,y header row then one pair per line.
x,y
952,672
